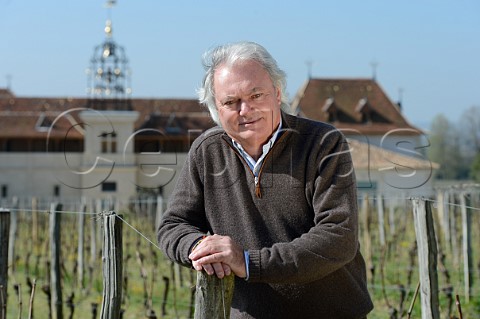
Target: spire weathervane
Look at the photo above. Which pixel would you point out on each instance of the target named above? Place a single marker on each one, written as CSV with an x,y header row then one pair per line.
x,y
110,3
9,81
309,64
108,25
109,72
374,65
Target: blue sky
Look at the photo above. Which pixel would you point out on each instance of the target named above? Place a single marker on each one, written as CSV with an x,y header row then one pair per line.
x,y
428,49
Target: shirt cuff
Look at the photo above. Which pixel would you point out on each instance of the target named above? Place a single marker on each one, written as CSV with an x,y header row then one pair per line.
x,y
246,254
196,243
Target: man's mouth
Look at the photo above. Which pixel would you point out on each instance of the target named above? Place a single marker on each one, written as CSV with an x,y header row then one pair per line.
x,y
249,122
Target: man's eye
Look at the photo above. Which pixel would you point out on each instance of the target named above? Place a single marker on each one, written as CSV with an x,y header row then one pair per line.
x,y
228,103
256,96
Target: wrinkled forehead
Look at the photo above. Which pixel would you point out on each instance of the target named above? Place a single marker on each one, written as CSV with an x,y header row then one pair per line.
x,y
242,71
234,61
249,66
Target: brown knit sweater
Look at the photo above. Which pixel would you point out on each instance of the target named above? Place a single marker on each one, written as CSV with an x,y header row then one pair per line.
x,y
299,223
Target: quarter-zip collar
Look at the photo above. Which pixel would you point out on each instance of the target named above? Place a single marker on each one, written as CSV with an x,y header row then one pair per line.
x,y
278,135
256,165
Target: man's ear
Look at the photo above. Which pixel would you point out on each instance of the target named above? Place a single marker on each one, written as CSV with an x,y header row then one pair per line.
x,y
279,96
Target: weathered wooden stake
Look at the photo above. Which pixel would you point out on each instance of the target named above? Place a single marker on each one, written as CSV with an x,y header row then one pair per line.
x,y
81,238
18,291
467,245
143,275
93,237
177,269
55,266
94,307
174,288
192,302
453,232
409,312
367,242
13,237
159,212
32,296
213,297
4,237
112,257
34,220
446,220
459,306
150,212
427,258
166,281
391,218
381,220
441,214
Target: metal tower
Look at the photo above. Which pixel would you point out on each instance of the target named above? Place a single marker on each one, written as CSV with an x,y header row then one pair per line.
x,y
109,74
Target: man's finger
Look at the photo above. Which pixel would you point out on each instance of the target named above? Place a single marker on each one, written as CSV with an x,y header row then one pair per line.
x,y
218,268
208,269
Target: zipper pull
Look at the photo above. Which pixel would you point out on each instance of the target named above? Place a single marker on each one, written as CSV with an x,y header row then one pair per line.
x,y
258,192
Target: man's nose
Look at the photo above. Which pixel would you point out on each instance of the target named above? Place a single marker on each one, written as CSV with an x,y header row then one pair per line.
x,y
245,107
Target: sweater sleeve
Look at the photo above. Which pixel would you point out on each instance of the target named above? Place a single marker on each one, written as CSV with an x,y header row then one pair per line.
x,y
184,221
333,240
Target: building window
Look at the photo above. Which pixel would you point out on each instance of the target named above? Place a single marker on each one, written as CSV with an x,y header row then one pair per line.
x,y
109,142
56,190
4,191
109,187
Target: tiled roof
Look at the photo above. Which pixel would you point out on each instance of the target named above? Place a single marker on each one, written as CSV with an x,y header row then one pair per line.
x,y
32,118
6,94
31,124
23,117
358,104
367,156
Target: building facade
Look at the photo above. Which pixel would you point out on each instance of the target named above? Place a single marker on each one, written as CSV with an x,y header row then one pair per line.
x,y
66,148
109,145
391,152
63,148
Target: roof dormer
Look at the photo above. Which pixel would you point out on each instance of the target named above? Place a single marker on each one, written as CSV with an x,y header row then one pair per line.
x,y
368,113
331,109
335,113
43,123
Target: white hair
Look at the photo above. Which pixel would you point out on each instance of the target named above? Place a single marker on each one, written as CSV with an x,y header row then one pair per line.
x,y
231,54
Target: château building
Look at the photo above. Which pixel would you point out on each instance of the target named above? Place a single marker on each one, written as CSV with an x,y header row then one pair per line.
x,y
110,145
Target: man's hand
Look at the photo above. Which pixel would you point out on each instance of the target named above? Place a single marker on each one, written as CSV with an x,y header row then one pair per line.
x,y
219,255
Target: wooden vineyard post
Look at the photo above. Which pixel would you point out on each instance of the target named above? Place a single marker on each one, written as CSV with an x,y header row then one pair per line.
x,y
13,236
366,220
391,218
112,256
4,237
151,215
34,220
213,296
427,258
453,231
159,211
467,244
442,215
81,238
55,268
381,220
93,232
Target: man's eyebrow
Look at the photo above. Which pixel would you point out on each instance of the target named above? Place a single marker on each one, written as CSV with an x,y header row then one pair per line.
x,y
253,90
256,89
229,97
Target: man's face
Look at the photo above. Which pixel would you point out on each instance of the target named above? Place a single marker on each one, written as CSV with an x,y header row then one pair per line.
x,y
248,103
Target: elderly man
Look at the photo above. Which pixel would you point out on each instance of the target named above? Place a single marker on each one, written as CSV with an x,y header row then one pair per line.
x,y
268,196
